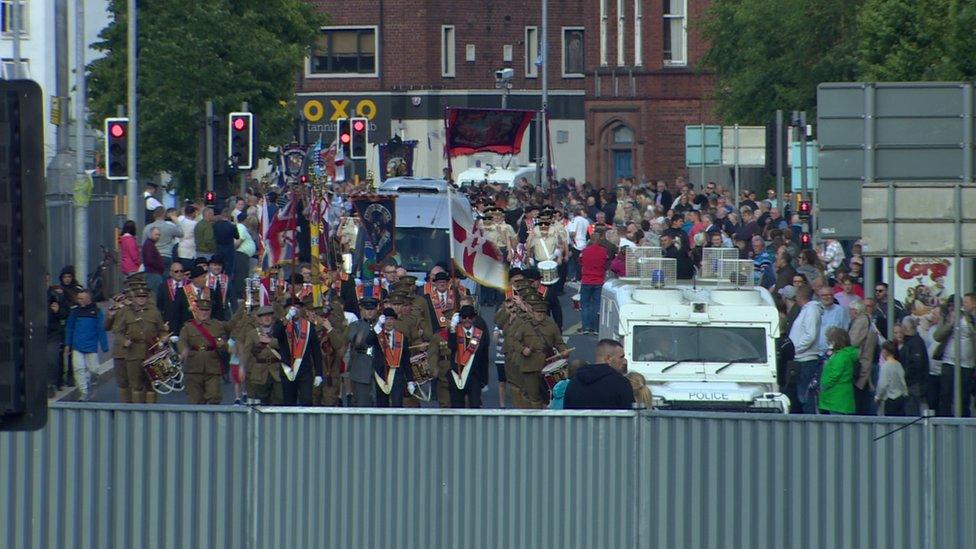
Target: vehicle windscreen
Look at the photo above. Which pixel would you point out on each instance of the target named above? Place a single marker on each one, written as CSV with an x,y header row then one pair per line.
x,y
420,248
698,344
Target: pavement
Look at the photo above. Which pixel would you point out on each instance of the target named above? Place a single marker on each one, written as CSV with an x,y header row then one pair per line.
x,y
105,389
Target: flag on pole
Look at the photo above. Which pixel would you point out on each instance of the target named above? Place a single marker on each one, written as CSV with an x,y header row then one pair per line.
x,y
280,240
317,164
473,253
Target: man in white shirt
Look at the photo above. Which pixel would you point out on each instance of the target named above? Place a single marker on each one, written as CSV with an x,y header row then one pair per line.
x,y
149,195
187,248
804,336
578,230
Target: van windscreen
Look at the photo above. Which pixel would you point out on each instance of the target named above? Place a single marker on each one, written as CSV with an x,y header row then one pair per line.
x,y
698,344
420,248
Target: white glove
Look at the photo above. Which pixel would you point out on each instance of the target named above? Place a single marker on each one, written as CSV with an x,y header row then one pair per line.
x,y
379,324
455,320
317,381
174,339
411,387
292,313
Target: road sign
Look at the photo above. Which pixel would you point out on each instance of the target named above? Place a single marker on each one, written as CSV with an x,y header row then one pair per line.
x,y
703,141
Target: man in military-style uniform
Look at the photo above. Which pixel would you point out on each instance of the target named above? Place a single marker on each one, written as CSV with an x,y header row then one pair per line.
x,y
331,329
536,340
113,325
140,327
261,358
193,291
363,346
200,340
549,296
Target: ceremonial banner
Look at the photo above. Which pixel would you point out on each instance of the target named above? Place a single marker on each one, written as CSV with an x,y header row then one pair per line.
x,y
396,158
378,229
499,131
473,253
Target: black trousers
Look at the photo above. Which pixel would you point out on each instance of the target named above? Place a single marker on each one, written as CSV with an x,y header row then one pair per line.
x,y
469,397
395,398
947,386
298,392
895,406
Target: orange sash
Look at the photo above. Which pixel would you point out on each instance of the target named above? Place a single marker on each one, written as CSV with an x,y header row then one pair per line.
x,y
464,353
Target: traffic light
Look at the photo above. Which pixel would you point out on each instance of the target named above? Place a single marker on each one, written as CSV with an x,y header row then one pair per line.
x,y
360,136
805,240
240,138
116,148
23,261
804,209
303,179
344,136
210,198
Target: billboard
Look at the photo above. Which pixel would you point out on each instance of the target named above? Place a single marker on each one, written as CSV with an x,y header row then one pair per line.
x,y
923,283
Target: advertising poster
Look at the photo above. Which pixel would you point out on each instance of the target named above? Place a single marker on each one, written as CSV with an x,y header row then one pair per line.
x,y
922,283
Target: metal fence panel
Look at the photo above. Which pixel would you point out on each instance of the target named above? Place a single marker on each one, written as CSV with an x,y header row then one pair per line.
x,y
102,223
108,476
123,476
420,479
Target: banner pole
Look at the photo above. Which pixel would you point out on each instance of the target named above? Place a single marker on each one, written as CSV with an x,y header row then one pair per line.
x,y
447,149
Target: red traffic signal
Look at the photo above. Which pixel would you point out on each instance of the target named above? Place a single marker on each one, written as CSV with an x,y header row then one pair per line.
x,y
804,207
210,198
360,135
116,148
116,130
344,135
805,239
303,179
240,139
345,138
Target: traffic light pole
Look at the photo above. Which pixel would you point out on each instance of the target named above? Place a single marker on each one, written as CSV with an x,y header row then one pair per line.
x,y
136,213
81,209
779,163
210,142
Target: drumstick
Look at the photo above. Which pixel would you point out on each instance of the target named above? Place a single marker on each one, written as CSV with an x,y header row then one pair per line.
x,y
567,351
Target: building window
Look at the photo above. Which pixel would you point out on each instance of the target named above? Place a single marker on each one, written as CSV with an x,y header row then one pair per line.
x,y
603,32
574,60
7,23
8,69
621,23
638,36
675,32
447,51
345,52
623,134
531,52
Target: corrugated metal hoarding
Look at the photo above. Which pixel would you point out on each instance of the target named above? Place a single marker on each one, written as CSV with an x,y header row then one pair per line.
x,y
127,476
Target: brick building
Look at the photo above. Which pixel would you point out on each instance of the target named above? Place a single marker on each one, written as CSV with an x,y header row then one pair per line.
x,y
622,77
401,63
643,86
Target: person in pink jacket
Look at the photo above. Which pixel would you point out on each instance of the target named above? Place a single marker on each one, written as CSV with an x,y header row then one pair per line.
x,y
129,259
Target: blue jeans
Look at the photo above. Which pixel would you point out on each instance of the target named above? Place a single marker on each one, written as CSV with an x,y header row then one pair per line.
x,y
809,370
590,307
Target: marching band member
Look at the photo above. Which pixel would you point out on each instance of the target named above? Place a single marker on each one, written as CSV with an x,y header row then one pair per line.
x,y
536,340
141,326
219,284
200,341
194,291
468,345
167,296
113,325
391,366
548,295
331,329
543,242
261,359
301,356
363,347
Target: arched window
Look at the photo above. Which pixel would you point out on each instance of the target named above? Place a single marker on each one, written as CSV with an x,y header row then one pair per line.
x,y
623,135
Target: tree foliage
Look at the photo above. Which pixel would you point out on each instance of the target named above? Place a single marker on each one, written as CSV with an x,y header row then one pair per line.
x,y
227,51
772,54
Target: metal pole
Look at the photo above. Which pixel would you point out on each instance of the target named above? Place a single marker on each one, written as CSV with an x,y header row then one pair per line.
x,y
967,176
735,142
245,107
870,269
210,145
15,15
780,190
132,188
702,181
803,154
81,212
545,93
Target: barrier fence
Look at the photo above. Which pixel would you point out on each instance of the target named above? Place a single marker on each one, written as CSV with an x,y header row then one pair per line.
x,y
124,476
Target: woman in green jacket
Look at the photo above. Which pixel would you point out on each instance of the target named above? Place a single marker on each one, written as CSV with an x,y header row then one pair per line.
x,y
837,379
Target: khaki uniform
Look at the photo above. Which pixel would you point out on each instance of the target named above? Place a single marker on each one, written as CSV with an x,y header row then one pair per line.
x,y
500,234
262,365
329,392
543,245
544,340
139,329
509,324
202,369
412,328
118,354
